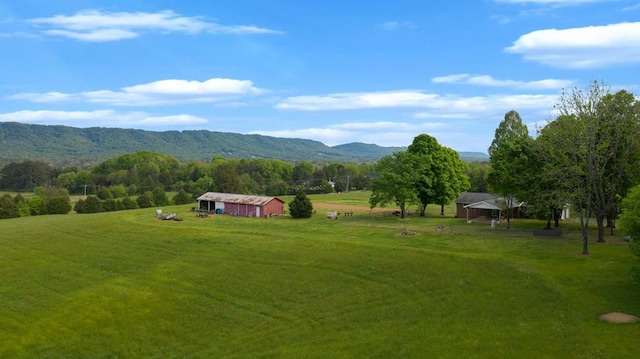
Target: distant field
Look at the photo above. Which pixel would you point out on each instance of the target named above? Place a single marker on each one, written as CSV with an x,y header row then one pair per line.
x,y
125,285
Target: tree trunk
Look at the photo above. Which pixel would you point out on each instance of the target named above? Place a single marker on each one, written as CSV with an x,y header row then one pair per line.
x,y
584,227
600,221
423,209
442,209
556,217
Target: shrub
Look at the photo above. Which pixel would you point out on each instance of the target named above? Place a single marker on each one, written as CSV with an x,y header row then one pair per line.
x,y
59,205
160,197
37,206
104,193
128,203
182,197
111,205
145,200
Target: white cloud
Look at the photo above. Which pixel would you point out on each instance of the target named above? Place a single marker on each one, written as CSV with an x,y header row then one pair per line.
x,y
486,80
392,25
383,133
183,87
42,97
442,106
99,118
101,26
585,47
164,92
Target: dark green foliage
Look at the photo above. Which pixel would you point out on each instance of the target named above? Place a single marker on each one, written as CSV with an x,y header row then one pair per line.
x,y
8,208
64,145
301,206
182,197
25,175
477,173
145,200
226,179
276,189
93,205
160,197
103,193
59,205
128,203
111,205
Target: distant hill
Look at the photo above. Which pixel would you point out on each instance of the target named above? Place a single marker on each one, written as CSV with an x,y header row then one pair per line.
x,y
65,146
474,156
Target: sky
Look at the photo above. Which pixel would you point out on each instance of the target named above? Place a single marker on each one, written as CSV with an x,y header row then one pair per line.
x,y
335,71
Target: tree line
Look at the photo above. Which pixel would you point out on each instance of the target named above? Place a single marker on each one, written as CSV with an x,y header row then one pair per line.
x,y
587,158
142,179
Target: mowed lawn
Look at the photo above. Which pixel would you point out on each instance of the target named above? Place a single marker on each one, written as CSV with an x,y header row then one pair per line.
x,y
126,285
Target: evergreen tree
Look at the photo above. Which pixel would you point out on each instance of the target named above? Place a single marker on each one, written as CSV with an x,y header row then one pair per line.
x,y
301,206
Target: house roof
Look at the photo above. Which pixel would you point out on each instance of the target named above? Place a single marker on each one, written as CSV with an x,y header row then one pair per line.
x,y
489,204
237,198
492,201
473,197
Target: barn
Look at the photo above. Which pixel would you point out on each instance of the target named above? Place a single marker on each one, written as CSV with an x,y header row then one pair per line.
x,y
241,205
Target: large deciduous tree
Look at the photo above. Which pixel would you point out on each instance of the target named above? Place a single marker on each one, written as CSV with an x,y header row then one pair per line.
x,y
429,160
508,156
440,172
396,181
595,146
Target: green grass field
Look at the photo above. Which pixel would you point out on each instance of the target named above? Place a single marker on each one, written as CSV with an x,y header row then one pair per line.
x,y
126,285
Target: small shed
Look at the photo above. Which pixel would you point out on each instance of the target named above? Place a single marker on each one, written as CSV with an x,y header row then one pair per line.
x,y
241,205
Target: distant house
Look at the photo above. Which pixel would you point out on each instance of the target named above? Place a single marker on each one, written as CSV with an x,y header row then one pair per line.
x,y
241,205
472,205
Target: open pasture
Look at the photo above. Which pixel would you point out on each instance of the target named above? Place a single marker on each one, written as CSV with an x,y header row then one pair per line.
x,y
125,284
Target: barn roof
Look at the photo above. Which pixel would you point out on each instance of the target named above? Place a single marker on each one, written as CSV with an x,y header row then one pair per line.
x,y
237,198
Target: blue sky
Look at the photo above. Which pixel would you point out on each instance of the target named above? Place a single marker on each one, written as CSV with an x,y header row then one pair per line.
x,y
334,71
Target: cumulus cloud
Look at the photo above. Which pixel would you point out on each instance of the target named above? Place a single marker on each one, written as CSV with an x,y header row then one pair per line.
x,y
106,118
488,81
579,48
382,133
102,26
164,92
437,104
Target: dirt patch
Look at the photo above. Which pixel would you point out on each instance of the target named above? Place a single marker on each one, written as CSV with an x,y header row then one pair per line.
x,y
347,208
617,317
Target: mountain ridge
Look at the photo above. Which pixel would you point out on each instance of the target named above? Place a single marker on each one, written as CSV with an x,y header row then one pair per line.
x,y
72,146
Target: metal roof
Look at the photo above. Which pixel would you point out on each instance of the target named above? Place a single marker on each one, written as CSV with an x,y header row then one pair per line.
x,y
473,197
237,198
483,205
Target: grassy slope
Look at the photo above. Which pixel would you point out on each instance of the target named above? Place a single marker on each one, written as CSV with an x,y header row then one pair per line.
x,y
124,284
